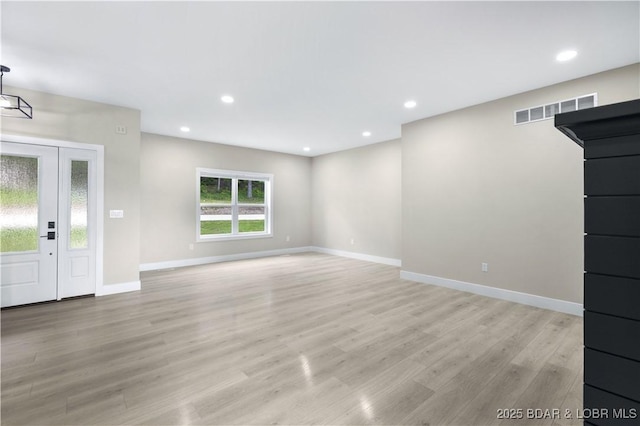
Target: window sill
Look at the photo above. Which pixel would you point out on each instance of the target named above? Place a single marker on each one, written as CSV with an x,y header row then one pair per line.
x,y
247,236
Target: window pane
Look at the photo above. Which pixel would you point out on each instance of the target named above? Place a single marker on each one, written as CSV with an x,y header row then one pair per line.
x,y
251,191
251,219
18,203
215,220
79,204
215,190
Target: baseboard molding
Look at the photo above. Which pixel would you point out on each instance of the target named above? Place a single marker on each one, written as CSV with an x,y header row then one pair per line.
x,y
498,293
217,259
366,257
118,288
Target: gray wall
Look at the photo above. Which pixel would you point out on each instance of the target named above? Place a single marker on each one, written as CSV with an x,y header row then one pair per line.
x,y
168,197
356,194
478,189
76,120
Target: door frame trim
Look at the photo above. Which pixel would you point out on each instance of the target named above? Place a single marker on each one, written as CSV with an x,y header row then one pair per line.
x,y
99,149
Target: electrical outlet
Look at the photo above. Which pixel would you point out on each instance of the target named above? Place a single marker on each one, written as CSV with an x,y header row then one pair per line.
x,y
485,267
353,241
288,238
191,246
121,129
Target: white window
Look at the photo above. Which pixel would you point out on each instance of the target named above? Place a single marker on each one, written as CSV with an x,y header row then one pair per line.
x,y
233,205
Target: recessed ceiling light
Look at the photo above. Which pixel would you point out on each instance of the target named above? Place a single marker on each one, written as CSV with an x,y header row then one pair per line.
x,y
185,129
566,55
306,149
227,99
366,134
410,104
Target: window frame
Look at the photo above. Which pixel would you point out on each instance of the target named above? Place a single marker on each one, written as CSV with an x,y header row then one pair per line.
x,y
235,176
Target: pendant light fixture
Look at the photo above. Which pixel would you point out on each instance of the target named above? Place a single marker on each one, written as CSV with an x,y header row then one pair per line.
x,y
11,105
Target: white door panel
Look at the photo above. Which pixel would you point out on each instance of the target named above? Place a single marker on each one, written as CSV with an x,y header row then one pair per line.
x,y
29,203
77,242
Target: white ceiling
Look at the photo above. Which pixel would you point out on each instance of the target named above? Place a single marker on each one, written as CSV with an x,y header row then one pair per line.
x,y
313,74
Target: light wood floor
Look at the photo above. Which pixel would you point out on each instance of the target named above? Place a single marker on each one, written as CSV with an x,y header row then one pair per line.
x,y
303,339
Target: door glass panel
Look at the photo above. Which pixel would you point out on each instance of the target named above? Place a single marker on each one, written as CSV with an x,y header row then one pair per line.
x,y
18,203
79,204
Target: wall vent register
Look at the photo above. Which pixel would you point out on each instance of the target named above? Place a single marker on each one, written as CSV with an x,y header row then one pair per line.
x,y
545,112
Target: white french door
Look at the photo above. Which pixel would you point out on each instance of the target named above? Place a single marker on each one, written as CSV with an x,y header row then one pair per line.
x,y
48,223
29,214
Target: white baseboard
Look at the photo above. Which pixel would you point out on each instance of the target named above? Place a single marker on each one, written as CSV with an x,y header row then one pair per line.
x,y
217,259
366,257
498,293
118,288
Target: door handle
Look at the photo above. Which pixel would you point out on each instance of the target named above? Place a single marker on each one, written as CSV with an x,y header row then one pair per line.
x,y
49,236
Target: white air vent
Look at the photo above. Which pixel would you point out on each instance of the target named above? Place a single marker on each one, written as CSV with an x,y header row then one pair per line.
x,y
544,112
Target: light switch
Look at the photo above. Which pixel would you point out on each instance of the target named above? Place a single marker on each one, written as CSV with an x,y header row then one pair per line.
x,y
116,214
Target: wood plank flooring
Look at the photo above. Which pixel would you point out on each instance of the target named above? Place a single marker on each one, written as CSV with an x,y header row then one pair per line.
x,y
301,339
